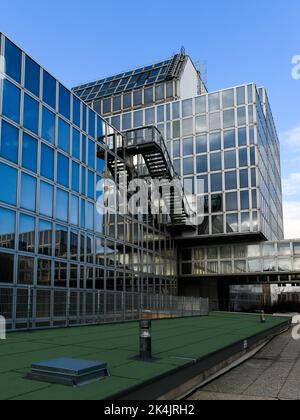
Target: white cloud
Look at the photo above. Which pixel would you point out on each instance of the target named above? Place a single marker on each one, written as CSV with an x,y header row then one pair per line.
x,y
291,185
291,138
291,211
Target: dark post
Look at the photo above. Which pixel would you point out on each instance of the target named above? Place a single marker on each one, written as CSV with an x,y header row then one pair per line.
x,y
145,340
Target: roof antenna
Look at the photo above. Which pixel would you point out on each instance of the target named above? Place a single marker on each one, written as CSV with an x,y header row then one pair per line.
x,y
183,50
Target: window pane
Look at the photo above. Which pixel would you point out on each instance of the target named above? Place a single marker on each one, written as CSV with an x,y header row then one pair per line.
x,y
76,111
188,166
11,101
228,98
188,146
13,61
46,199
75,176
64,102
231,202
229,139
244,179
242,137
150,116
201,144
8,177
201,105
45,238
61,242
230,160
91,154
47,162
187,127
90,216
27,233
49,90
48,126
9,142
31,114
216,182
25,270
76,144
28,192
63,135
62,205
232,223
187,108
32,76
62,170
214,102
6,268
29,153
202,164
138,119
91,186
7,229
230,181
74,210
229,118
215,141
44,273
215,162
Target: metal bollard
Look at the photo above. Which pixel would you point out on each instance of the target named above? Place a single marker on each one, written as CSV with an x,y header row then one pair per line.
x,y
145,340
262,317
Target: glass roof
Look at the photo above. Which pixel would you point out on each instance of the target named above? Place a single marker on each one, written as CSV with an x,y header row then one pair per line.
x,y
142,77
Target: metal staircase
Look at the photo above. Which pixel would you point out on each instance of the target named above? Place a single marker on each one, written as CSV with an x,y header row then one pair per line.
x,y
149,143
175,67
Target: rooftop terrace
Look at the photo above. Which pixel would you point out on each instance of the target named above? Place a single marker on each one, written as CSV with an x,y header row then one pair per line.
x,y
176,344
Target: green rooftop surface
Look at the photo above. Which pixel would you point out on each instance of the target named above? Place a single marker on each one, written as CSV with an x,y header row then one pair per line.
x,y
175,342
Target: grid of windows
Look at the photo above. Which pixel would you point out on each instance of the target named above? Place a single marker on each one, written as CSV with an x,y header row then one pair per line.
x,y
269,257
50,231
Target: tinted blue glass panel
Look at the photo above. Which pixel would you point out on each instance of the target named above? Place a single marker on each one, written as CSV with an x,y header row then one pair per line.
x,y
11,101
29,153
63,135
76,144
46,199
13,61
31,114
74,210
90,216
99,127
75,176
28,192
63,170
48,125
100,165
83,180
230,160
83,149
7,228
76,111
215,162
62,205
32,76
91,123
49,90
216,182
91,161
64,102
9,142
84,108
82,221
8,177
91,186
26,230
47,162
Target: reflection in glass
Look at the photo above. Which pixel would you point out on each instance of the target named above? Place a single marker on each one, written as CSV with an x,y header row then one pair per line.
x,y
6,268
32,76
44,272
29,153
47,162
62,205
46,199
62,170
7,228
13,60
64,102
27,233
284,264
45,238
28,192
60,274
8,177
61,241
9,144
31,114
63,135
11,101
48,126
49,90
25,270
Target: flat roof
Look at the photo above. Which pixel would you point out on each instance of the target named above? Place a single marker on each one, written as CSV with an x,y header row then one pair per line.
x,y
175,343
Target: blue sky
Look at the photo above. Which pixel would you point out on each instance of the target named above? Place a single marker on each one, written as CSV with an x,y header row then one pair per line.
x,y
239,41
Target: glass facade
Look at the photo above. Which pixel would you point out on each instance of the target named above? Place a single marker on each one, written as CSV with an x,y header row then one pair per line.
x,y
51,234
228,142
269,258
